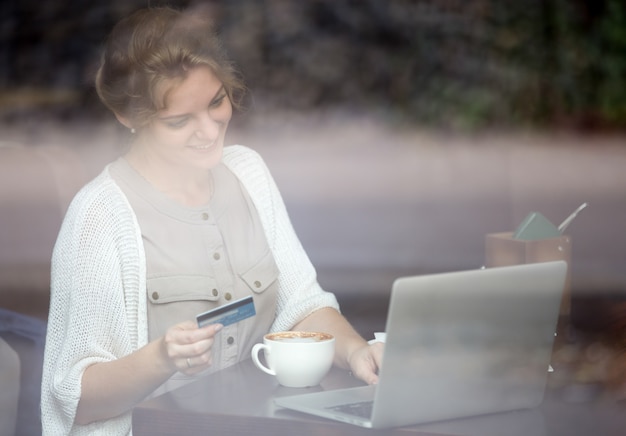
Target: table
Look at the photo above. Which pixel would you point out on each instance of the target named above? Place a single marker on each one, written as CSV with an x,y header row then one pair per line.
x,y
239,401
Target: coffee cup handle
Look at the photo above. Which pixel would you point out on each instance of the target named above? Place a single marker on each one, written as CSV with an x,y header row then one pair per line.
x,y
257,362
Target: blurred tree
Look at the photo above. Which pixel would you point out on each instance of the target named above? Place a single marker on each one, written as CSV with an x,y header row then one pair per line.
x,y
447,63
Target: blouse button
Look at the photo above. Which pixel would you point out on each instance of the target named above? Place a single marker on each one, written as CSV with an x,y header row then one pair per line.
x,y
257,284
216,256
205,216
228,296
214,292
155,295
230,340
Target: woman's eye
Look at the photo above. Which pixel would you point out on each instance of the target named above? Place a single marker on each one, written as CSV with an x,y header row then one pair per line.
x,y
218,101
176,124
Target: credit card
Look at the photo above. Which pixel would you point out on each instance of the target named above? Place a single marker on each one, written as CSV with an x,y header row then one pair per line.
x,y
229,313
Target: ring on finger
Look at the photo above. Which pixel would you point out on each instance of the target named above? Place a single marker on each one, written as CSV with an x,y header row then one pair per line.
x,y
188,363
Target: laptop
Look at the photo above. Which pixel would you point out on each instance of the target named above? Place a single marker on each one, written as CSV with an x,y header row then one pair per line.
x,y
458,344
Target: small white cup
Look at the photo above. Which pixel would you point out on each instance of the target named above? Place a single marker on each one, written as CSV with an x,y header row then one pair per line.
x,y
297,359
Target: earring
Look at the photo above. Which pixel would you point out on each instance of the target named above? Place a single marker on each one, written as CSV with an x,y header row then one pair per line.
x,y
132,130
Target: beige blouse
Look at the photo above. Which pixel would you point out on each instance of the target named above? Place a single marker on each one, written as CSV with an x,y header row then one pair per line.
x,y
198,258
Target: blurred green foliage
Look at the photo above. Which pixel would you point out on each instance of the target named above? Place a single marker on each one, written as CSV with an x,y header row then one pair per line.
x,y
446,63
591,54
536,62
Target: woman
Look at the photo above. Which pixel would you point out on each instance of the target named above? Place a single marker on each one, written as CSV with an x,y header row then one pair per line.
x,y
176,226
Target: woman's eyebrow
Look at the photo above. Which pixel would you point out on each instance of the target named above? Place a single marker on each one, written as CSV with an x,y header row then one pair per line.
x,y
215,97
171,117
217,94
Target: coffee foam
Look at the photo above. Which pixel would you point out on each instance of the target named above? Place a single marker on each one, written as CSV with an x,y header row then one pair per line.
x,y
299,336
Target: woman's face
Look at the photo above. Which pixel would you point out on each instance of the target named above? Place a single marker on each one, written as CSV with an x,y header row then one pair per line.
x,y
189,132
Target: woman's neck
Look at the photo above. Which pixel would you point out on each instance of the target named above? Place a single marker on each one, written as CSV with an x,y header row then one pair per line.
x,y
190,187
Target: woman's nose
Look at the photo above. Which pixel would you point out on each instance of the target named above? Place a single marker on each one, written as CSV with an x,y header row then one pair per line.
x,y
208,128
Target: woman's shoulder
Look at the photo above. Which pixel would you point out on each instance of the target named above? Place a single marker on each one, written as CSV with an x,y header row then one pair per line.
x,y
101,194
238,154
246,163
102,185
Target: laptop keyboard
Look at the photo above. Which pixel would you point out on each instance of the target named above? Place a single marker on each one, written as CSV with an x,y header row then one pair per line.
x,y
362,409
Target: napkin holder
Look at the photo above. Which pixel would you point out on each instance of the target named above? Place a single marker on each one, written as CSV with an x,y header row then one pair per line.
x,y
504,249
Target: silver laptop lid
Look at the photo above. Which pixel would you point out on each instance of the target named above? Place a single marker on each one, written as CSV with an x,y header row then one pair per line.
x,y
468,343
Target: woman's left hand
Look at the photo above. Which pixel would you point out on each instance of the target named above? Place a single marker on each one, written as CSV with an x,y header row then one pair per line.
x,y
365,362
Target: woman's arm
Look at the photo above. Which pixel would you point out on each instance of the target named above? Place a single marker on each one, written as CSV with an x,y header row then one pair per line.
x,y
301,297
112,388
351,350
97,363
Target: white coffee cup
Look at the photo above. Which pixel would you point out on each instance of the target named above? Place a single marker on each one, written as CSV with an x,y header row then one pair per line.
x,y
297,359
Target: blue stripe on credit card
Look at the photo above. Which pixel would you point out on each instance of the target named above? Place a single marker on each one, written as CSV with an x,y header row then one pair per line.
x,y
229,313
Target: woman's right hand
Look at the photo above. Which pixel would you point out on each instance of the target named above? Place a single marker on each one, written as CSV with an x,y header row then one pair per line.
x,y
187,348
114,387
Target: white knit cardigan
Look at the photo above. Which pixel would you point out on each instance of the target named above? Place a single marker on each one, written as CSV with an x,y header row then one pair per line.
x,y
98,301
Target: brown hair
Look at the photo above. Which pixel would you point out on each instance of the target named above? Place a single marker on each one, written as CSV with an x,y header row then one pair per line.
x,y
154,45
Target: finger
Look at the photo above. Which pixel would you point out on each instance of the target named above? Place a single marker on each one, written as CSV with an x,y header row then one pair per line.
x,y
179,346
187,333
366,374
195,350
203,345
369,374
367,363
194,365
212,329
378,349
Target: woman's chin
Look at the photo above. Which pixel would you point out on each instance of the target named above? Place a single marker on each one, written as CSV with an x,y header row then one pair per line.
x,y
207,157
